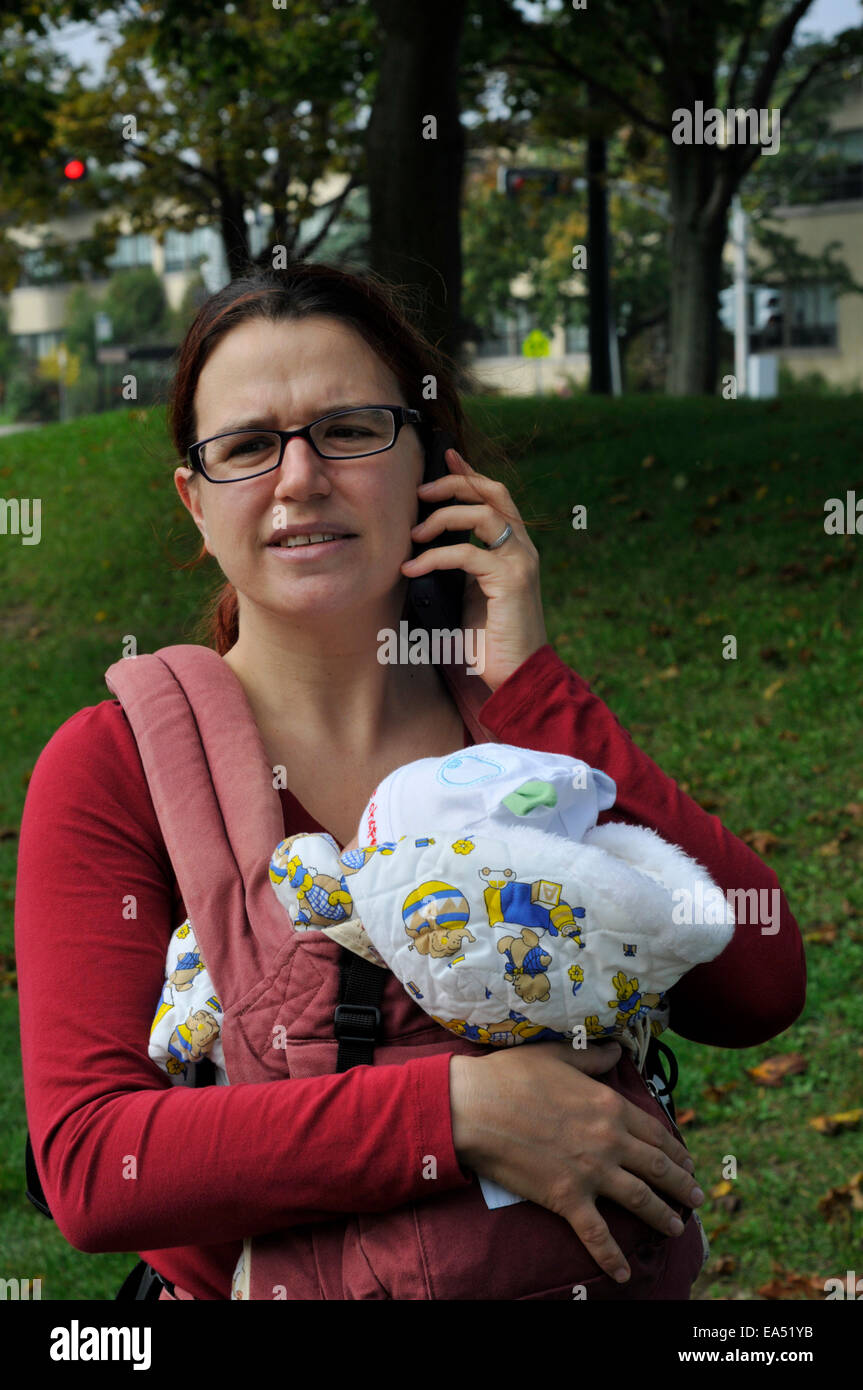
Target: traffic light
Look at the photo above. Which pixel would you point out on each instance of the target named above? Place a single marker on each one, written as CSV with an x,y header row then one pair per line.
x,y
545,183
74,169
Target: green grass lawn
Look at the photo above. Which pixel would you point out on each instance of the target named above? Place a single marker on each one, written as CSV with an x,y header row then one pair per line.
x,y
705,518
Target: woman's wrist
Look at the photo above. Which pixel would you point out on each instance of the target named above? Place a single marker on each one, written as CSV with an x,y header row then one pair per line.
x,y
461,1107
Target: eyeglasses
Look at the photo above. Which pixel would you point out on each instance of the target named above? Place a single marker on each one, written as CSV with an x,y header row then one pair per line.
x,y
345,434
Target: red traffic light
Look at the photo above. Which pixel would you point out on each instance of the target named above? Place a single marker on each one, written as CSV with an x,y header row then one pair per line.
x,y
74,169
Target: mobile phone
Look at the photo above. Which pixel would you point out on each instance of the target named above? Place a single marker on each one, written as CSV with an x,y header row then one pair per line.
x,y
436,599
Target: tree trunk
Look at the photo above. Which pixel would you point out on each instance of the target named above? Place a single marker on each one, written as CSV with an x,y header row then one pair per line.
x,y
414,181
696,276
232,223
599,286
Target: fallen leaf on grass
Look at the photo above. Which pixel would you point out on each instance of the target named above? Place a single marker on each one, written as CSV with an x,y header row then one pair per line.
x,y
773,1071
669,674
789,573
854,809
730,1203
725,1265
722,1189
822,936
717,1092
762,841
685,1117
786,1283
835,1124
789,736
773,688
839,1202
717,1231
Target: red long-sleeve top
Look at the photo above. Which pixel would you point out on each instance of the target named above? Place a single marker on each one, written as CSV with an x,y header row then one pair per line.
x,y
220,1163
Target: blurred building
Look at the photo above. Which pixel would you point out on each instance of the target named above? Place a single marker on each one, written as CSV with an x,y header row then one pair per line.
x,y
37,304
807,325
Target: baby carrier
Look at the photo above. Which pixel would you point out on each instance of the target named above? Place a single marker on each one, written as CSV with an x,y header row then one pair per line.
x,y
220,815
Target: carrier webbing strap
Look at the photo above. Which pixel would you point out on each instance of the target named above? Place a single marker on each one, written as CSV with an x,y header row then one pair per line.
x,y
357,1020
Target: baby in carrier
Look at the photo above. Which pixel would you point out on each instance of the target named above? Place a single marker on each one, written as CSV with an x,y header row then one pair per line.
x,y
482,880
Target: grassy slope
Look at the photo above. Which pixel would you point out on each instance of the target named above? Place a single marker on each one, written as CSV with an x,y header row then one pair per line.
x,y
705,518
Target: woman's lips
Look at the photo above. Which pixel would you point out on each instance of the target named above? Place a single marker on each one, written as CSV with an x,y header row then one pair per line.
x,y
318,548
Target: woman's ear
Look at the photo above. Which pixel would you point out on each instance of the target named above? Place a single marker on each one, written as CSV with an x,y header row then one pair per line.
x,y
185,481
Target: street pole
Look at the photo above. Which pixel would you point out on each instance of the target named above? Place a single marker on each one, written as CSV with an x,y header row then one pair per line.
x,y
741,318
62,359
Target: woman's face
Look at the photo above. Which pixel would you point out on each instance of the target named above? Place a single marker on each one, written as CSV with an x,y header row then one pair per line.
x,y
283,376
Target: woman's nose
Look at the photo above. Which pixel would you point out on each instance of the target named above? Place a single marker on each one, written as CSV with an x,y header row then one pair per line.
x,y
301,470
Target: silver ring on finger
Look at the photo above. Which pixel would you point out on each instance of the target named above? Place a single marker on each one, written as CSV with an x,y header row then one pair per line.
x,y
504,536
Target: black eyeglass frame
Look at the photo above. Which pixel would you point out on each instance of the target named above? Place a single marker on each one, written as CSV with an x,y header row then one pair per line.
x,y
402,415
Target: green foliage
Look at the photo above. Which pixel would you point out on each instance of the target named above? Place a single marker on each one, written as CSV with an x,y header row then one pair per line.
x,y
29,396
137,306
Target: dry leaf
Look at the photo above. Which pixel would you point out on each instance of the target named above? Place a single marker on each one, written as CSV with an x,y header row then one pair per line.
x,y
853,809
685,1117
722,1189
669,674
773,1071
726,1264
822,936
840,1202
762,841
830,849
717,1231
789,736
785,1283
835,1124
730,1203
717,1092
773,688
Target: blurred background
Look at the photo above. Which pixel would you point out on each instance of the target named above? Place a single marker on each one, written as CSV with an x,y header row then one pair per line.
x,y
661,328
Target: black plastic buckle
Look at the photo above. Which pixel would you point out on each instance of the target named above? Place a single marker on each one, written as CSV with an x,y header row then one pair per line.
x,y
346,1017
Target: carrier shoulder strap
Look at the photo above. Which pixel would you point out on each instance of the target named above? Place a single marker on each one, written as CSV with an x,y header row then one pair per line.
x,y
214,795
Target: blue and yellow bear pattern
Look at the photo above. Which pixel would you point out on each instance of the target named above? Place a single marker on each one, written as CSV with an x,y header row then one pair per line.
x,y
444,935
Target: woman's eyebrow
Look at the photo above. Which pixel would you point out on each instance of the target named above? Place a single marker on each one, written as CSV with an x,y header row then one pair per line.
x,y
269,421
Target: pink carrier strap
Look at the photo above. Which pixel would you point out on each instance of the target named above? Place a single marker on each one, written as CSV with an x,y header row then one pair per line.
x,y
219,812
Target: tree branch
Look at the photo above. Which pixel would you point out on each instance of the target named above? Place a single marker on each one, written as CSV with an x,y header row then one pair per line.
x,y
743,53
779,42
337,203
560,64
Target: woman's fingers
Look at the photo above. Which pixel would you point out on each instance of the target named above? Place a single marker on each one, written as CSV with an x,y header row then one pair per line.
x,y
598,1241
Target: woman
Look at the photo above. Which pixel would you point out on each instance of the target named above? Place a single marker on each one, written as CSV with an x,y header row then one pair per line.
x,y
130,1163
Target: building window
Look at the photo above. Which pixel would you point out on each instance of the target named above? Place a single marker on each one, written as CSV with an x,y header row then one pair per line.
x,y
38,345
186,250
130,252
840,177
576,338
801,316
39,267
504,334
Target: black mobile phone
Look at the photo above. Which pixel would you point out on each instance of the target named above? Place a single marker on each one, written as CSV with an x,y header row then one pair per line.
x,y
436,598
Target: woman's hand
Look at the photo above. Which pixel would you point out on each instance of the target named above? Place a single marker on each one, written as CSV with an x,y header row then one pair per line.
x,y
532,1119
502,593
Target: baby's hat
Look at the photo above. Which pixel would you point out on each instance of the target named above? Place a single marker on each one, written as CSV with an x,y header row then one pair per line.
x,y
486,785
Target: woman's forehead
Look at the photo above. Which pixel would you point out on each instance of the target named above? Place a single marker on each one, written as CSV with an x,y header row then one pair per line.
x,y
315,357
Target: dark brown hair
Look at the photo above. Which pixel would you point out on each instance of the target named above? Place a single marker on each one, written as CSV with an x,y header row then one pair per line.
x,y
378,311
